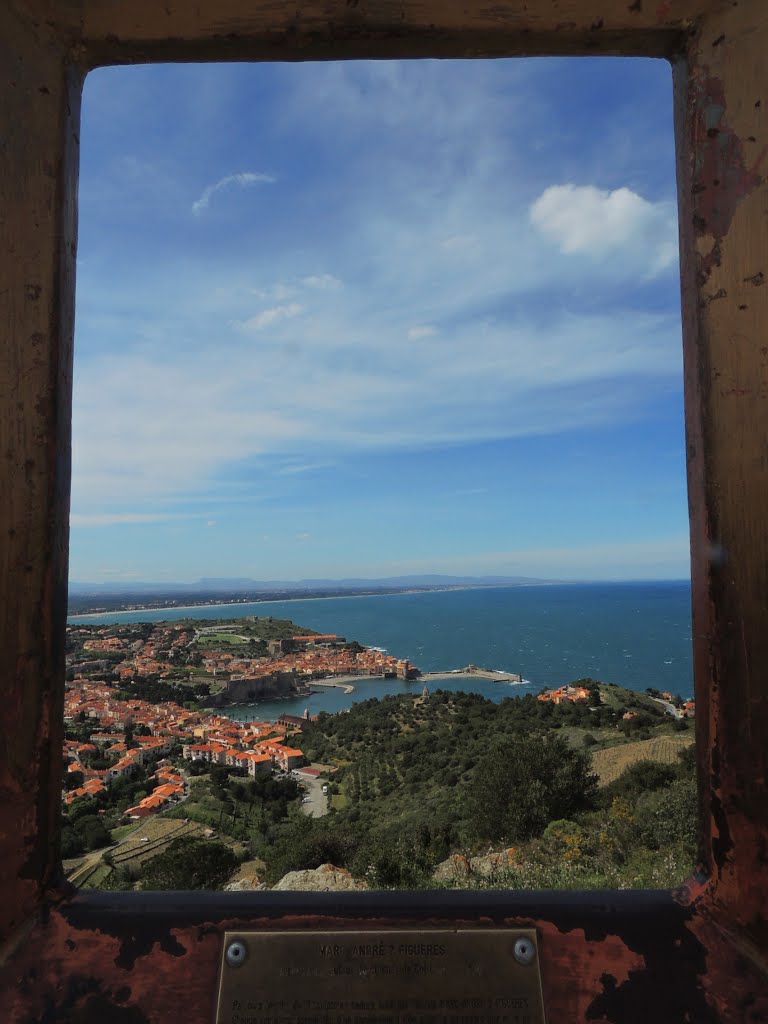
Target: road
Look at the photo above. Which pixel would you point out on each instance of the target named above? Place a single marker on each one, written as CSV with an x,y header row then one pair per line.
x,y
669,708
91,859
317,804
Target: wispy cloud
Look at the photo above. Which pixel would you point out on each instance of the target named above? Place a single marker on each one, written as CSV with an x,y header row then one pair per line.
x,y
315,391
644,559
416,288
267,317
121,518
243,179
421,331
325,282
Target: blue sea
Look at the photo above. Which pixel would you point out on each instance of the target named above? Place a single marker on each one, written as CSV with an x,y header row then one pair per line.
x,y
633,634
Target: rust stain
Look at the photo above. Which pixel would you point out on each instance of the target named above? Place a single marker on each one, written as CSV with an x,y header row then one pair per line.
x,y
756,279
722,178
631,967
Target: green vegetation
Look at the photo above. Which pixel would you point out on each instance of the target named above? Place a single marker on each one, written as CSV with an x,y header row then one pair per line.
x,y
525,782
455,790
244,809
460,774
247,637
87,823
190,864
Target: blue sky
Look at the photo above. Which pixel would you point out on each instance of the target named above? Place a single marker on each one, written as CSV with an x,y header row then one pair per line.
x,y
376,318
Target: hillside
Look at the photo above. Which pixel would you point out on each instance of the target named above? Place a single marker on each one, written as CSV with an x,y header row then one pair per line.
x,y
417,781
611,762
451,789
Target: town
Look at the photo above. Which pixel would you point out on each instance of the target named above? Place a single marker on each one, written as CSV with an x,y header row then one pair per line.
x,y
131,734
154,765
136,697
225,662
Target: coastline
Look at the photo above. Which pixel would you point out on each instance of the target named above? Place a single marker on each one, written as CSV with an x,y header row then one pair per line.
x,y
346,683
299,597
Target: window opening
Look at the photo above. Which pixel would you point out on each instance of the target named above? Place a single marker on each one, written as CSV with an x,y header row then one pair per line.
x,y
393,327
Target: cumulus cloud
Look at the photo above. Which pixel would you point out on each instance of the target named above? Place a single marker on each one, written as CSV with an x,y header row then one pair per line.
x,y
267,317
243,179
443,233
585,219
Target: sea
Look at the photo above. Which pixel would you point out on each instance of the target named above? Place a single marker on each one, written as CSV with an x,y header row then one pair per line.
x,y
635,634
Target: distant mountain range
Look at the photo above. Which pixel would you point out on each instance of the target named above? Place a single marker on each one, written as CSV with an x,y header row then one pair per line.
x,y
235,585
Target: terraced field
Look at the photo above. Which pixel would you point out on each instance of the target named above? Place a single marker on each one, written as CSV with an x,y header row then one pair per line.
x,y
152,838
610,763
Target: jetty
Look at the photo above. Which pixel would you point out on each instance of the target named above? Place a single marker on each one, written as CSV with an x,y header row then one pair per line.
x,y
477,672
341,682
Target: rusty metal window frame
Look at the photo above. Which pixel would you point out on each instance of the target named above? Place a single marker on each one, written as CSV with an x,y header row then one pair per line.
x,y
699,950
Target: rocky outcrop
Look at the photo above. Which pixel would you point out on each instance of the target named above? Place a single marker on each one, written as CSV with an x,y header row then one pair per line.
x,y
245,885
326,878
459,867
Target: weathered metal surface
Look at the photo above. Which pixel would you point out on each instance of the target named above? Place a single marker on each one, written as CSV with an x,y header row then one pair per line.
x,y
38,178
722,88
622,956
428,976
698,955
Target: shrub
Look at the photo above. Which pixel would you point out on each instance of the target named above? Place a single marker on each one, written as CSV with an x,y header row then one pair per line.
x,y
190,863
526,781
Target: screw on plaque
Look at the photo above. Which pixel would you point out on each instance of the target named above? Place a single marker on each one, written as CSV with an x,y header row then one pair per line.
x,y
236,954
525,951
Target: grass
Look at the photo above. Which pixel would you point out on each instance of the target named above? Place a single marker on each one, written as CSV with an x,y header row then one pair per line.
x,y
611,762
212,639
97,877
71,865
160,832
121,832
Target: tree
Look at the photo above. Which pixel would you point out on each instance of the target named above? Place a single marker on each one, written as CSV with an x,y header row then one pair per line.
x,y
526,781
73,780
641,777
190,864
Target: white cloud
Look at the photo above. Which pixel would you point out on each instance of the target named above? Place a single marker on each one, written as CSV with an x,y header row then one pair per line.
x,y
170,400
267,317
243,178
280,291
211,522
293,469
323,282
115,518
335,384
459,244
585,219
646,559
421,331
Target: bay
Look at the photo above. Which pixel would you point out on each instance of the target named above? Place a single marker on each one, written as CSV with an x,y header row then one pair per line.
x,y
633,634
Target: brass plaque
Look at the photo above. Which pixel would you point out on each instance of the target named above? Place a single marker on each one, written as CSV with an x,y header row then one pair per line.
x,y
465,976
